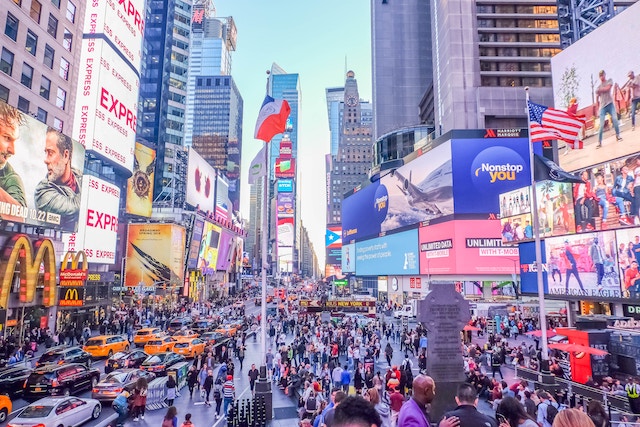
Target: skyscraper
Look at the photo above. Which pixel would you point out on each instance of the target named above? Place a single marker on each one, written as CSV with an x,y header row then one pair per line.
x,y
401,61
335,98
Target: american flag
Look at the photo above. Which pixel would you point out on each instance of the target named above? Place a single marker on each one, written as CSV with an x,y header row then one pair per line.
x,y
548,123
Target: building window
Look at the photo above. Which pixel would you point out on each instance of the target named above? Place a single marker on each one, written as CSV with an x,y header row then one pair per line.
x,y
56,3
36,10
71,11
45,87
42,115
64,69
23,105
49,54
67,40
27,75
11,27
6,61
52,26
61,98
58,124
4,93
32,43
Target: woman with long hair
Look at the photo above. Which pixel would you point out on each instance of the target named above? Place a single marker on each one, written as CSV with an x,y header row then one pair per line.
x,y
572,418
140,398
511,413
171,417
598,415
381,408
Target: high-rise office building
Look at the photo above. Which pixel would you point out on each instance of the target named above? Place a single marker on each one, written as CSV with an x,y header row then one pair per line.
x,y
401,61
163,96
335,98
282,85
39,58
485,53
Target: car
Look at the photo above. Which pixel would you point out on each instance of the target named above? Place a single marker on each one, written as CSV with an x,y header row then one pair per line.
x,y
202,325
52,380
227,330
184,335
211,338
159,345
58,411
5,407
159,363
145,334
189,348
59,355
125,359
12,379
178,323
117,381
105,345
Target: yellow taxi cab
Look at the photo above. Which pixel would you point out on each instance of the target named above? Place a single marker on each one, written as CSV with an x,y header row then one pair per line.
x,y
143,335
185,335
159,345
105,345
189,348
227,330
5,407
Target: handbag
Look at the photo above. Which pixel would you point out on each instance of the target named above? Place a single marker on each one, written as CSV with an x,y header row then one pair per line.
x,y
202,393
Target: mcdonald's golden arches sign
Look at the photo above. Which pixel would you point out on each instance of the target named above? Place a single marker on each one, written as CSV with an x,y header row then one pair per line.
x,y
71,297
73,276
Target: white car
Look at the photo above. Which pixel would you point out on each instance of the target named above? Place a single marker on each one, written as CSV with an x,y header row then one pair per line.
x,y
67,411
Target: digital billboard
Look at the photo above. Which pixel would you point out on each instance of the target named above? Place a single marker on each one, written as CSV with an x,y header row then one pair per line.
x,y
223,203
391,254
420,190
106,107
349,258
583,265
140,185
517,228
155,255
285,186
233,172
286,149
41,173
528,272
201,179
225,250
208,255
575,74
285,205
196,239
485,168
515,202
97,233
465,247
628,247
555,208
285,168
364,211
333,244
285,232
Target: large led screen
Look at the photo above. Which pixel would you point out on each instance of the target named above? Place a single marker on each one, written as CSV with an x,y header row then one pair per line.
x,y
364,211
390,254
576,74
628,241
485,168
194,248
583,265
285,205
201,178
333,244
285,232
41,175
140,185
349,258
106,108
515,202
155,255
208,255
223,203
528,272
555,208
226,250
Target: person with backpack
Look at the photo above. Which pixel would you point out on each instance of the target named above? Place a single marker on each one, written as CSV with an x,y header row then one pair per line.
x,y
310,406
121,406
547,409
170,418
217,396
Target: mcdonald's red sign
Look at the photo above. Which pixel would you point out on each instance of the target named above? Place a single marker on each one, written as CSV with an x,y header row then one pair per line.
x,y
73,276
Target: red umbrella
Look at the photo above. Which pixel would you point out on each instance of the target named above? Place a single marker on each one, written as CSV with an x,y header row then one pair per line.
x,y
538,333
578,348
470,328
561,346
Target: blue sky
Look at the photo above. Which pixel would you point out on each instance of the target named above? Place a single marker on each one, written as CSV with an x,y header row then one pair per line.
x,y
311,38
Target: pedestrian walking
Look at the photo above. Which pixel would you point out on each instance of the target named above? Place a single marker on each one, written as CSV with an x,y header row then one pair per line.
x,y
171,417
192,380
217,396
140,398
388,352
187,421
171,390
253,377
208,385
229,393
241,351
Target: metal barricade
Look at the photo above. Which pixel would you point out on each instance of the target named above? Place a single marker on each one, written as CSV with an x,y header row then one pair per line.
x,y
179,372
157,393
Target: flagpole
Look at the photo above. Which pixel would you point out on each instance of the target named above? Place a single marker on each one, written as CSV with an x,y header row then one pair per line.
x,y
264,236
544,363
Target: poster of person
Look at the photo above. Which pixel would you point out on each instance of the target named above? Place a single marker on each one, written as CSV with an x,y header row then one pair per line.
x,y
517,228
515,202
555,208
628,260
583,265
40,172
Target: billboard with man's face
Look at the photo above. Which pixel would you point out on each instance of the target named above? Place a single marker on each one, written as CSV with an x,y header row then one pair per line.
x,y
40,173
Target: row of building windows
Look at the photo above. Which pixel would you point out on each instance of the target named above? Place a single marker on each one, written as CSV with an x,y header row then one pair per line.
x,y
518,23
515,81
24,105
515,66
519,9
519,38
518,51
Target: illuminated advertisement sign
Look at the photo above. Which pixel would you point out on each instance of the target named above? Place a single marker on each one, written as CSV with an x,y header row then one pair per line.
x,y
41,181
223,204
97,233
71,297
583,265
465,247
576,74
194,249
285,168
555,208
333,244
628,248
285,186
70,273
390,254
285,205
226,251
140,185
333,270
121,22
348,258
208,255
285,232
107,103
200,181
485,168
361,215
286,149
515,202
155,255
233,171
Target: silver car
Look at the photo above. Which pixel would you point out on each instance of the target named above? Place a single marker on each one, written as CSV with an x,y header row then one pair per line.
x,y
56,411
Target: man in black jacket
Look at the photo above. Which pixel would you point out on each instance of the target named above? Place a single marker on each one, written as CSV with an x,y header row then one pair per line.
x,y
466,412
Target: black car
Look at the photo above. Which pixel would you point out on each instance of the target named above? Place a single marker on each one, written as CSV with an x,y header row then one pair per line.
x,y
12,380
177,323
117,381
212,338
60,355
125,359
55,380
159,363
203,325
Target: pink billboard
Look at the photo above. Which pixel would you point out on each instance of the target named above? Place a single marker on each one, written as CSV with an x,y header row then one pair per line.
x,y
465,247
225,250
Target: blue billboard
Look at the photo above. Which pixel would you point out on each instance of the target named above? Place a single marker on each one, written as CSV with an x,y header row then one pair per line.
x,y
392,254
364,211
528,273
484,168
285,186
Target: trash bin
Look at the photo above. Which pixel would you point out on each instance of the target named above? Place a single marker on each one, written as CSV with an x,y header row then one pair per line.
x,y
263,390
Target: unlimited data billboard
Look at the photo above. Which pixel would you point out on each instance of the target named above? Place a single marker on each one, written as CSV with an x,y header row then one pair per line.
x,y
41,175
391,254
